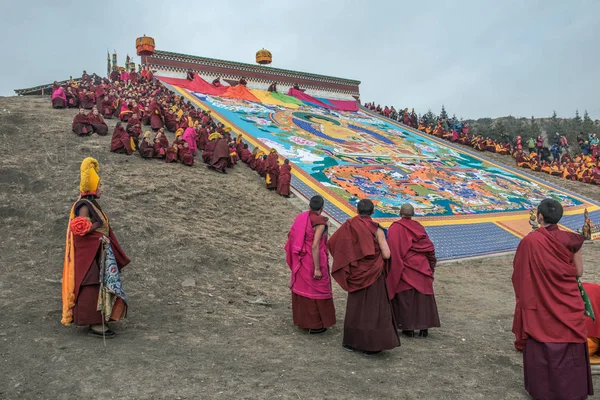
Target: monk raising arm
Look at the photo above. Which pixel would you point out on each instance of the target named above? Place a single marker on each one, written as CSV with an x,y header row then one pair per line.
x,y
578,259
319,229
383,245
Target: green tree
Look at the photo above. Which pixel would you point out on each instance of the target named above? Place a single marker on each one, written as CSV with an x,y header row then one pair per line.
x,y
534,128
587,125
576,122
554,124
430,117
443,114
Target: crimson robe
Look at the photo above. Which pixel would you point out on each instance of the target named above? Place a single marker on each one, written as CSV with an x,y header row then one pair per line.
x,y
357,258
120,142
220,154
172,154
146,149
81,125
155,112
284,179
549,307
98,124
272,169
246,156
185,156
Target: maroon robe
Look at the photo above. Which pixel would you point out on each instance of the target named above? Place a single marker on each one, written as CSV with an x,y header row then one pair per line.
x,y
284,180
549,324
172,155
155,112
81,125
272,170
87,100
98,124
220,155
171,122
159,150
120,142
246,156
107,107
358,267
134,127
72,100
185,156
208,151
87,276
260,166
146,149
410,278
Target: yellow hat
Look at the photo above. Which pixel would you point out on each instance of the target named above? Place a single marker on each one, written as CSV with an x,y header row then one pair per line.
x,y
179,132
89,176
273,151
228,129
214,136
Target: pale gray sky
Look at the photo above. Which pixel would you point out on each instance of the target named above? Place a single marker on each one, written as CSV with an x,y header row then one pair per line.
x,y
478,57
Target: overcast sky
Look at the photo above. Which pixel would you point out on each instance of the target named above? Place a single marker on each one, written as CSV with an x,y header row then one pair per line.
x,y
478,57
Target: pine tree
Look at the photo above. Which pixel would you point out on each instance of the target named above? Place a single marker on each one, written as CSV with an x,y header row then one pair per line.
x,y
534,129
554,124
443,114
587,125
430,117
576,122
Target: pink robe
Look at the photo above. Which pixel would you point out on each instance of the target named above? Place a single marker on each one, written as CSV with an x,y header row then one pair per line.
x,y
190,137
60,93
299,258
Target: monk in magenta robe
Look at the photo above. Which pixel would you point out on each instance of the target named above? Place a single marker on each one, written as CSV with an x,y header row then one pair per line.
x,y
410,278
97,122
81,124
59,98
310,283
220,156
549,321
359,251
272,169
284,180
190,136
121,141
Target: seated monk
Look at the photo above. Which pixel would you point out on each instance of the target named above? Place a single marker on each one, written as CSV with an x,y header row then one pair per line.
x,y
190,136
202,138
172,155
439,130
272,169
220,156
59,98
285,179
146,117
422,126
272,87
125,112
81,124
210,148
134,126
454,137
544,167
246,155
253,159
171,121
556,169
164,141
243,81
107,106
217,82
239,144
158,148
146,148
121,142
156,121
97,122
233,155
429,129
72,99
185,155
87,99
261,165
189,75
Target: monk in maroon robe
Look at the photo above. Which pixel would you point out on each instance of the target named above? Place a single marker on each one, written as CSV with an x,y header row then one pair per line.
x,y
146,147
97,122
107,107
81,124
155,112
410,278
220,156
359,251
87,99
185,154
120,142
171,121
261,165
272,169
172,154
134,126
72,98
284,179
549,323
246,155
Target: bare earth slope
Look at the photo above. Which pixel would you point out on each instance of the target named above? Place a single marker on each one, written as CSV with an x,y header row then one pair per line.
x,y
230,336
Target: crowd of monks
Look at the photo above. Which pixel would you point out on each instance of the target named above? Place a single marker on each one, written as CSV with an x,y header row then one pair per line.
x,y
583,167
141,102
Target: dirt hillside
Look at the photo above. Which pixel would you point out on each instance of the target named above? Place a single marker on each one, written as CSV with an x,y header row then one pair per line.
x,y
210,312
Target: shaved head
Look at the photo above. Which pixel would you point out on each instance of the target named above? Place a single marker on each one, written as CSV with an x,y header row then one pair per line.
x,y
407,210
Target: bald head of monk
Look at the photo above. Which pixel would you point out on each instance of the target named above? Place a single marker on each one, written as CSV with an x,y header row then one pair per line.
x,y
407,211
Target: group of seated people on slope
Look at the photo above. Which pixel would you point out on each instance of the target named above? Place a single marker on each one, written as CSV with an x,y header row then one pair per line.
x,y
143,101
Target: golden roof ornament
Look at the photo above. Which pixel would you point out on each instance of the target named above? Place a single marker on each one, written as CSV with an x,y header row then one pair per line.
x,y
264,57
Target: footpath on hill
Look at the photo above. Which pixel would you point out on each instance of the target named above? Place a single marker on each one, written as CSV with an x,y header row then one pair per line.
x,y
210,312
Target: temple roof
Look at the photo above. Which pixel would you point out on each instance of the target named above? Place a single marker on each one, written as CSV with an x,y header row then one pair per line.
x,y
253,67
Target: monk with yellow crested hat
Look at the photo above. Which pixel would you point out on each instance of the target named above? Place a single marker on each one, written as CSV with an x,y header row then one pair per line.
x,y
92,292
